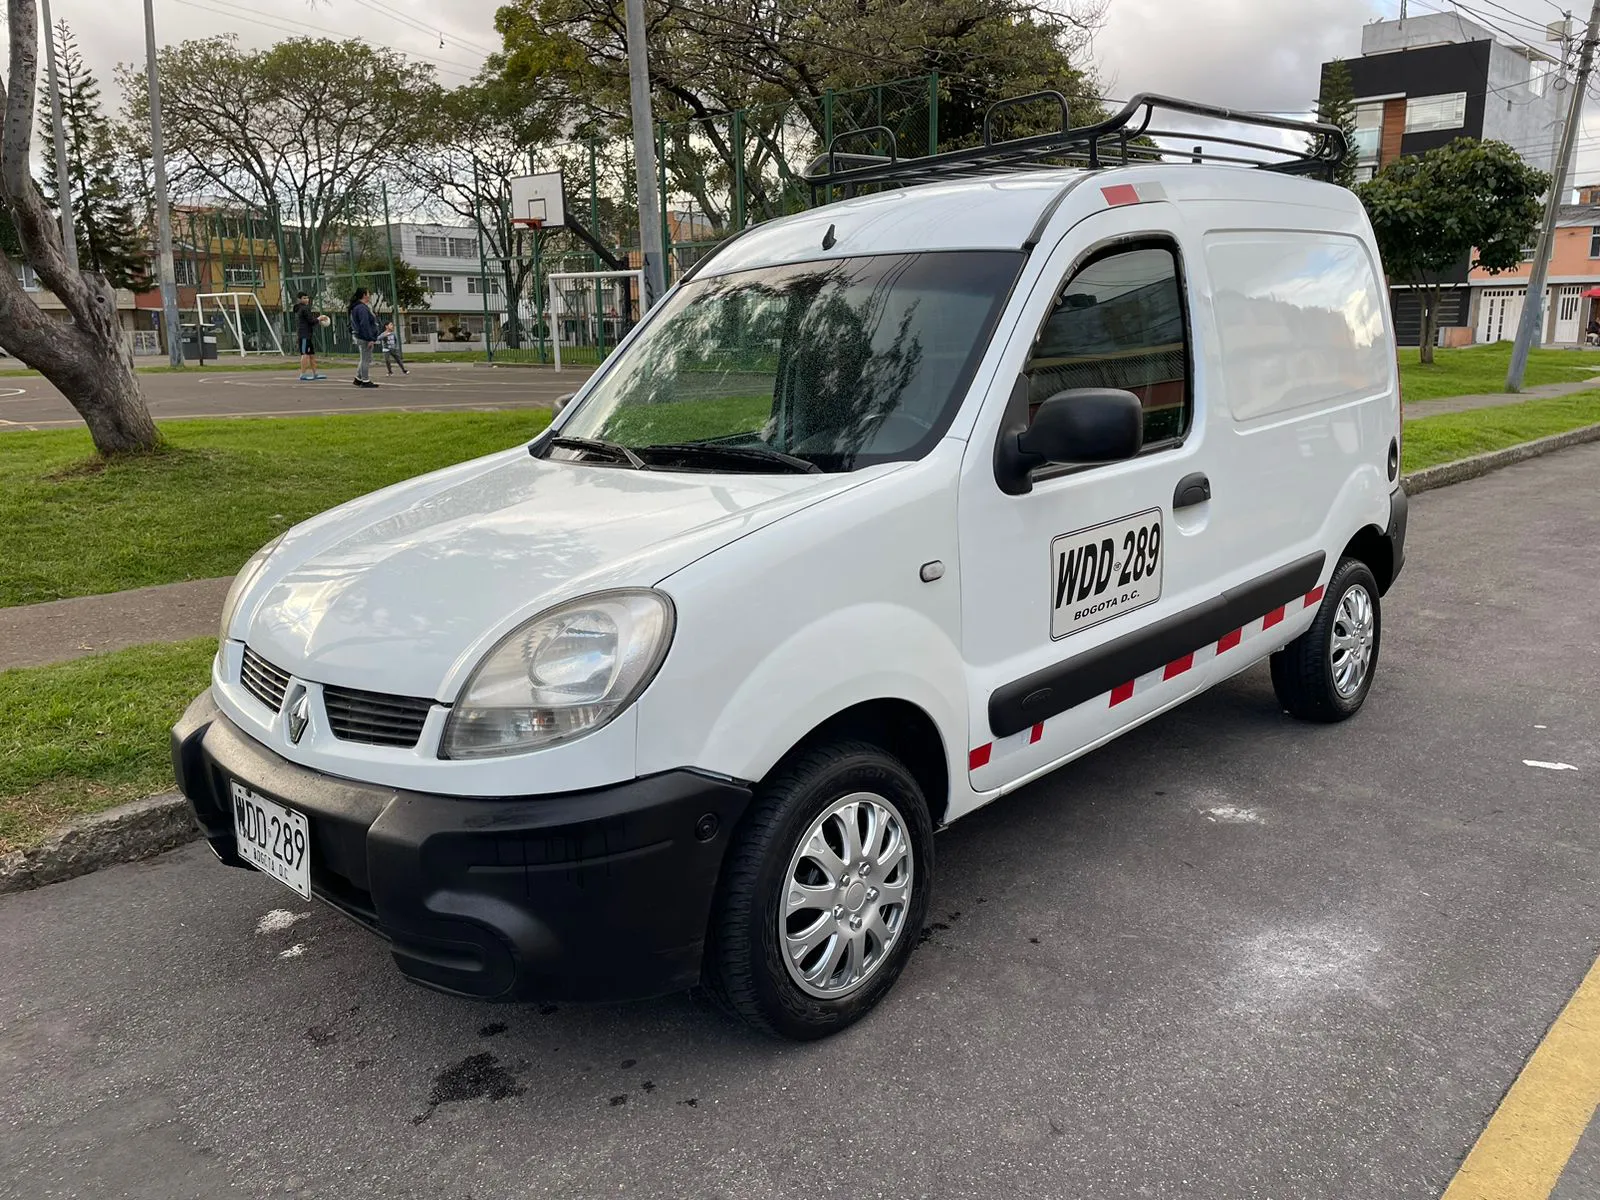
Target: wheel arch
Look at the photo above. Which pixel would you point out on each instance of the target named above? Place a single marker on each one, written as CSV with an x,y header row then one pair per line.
x,y
1372,546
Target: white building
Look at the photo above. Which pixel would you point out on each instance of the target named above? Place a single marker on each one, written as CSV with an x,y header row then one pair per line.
x,y
447,259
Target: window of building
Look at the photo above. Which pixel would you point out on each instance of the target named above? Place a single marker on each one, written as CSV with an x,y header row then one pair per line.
x,y
26,276
1425,113
187,272
433,246
420,327
461,247
1369,131
1594,242
440,284
1119,323
475,285
241,276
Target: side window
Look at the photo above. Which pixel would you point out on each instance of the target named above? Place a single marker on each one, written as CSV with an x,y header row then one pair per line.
x,y
1119,323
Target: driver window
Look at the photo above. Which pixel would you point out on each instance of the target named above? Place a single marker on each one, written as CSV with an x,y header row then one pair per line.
x,y
1119,323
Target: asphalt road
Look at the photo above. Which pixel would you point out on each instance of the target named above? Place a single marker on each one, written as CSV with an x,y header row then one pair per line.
x,y
29,402
1228,956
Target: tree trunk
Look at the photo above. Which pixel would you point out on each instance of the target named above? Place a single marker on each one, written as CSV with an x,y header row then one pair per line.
x,y
87,358
1430,323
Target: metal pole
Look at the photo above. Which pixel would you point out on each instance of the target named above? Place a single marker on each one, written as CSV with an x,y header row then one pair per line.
x,y
933,112
169,282
394,282
1533,306
483,260
538,287
666,230
594,226
644,155
69,233
738,169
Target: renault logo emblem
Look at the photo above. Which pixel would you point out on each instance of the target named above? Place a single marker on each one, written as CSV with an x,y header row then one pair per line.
x,y
299,715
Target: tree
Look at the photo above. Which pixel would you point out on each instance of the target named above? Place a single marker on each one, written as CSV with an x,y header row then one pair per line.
x,y
86,358
109,237
1337,107
1469,201
778,64
299,131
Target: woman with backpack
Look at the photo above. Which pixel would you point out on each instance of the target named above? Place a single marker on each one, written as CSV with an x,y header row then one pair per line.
x,y
364,329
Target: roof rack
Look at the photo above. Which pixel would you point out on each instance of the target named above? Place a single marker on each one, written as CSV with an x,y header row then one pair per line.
x,y
1116,141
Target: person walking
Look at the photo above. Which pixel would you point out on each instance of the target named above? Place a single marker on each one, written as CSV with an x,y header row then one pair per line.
x,y
305,330
389,343
364,329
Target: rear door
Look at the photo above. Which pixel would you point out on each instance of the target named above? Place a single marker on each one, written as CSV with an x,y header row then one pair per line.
x,y
1070,593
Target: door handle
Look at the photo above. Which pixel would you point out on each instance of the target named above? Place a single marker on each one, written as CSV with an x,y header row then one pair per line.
x,y
1191,490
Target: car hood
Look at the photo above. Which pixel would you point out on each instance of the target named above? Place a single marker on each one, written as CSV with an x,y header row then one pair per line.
x,y
402,591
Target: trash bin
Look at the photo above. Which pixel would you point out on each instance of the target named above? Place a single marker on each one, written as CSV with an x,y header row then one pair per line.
x,y
199,345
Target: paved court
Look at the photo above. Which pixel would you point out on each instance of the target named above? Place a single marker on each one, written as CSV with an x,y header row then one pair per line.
x,y
32,403
1227,957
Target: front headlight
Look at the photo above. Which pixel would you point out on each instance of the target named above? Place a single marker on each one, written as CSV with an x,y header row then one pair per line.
x,y
566,672
241,584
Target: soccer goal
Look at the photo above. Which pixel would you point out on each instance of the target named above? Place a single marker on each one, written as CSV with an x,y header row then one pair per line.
x,y
241,314
590,309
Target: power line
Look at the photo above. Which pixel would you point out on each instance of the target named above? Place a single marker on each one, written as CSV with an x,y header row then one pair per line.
x,y
279,25
423,27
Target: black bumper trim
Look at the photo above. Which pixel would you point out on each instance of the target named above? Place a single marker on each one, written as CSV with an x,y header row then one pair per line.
x,y
594,895
1399,510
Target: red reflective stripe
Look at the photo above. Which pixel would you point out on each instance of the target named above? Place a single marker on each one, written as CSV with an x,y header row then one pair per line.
x,y
1272,618
1314,596
980,757
1229,641
1119,694
1036,734
1122,193
1178,666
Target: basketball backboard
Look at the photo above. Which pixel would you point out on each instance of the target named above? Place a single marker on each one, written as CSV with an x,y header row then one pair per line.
x,y
538,200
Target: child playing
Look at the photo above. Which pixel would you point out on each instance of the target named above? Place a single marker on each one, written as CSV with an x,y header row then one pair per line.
x,y
389,343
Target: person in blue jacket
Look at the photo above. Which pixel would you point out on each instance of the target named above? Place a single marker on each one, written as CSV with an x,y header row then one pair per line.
x,y
364,328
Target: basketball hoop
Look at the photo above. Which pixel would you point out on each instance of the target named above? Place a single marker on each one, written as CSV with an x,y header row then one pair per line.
x,y
528,222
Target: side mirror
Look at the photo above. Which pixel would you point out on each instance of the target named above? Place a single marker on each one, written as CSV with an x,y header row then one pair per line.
x,y
1082,425
562,402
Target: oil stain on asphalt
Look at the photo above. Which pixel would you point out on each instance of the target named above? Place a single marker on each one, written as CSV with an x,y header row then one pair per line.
x,y
476,1077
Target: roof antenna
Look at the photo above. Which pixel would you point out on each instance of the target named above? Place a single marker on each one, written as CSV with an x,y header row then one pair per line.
x,y
828,240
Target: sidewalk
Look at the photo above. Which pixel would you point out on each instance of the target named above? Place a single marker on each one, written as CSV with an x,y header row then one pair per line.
x,y
36,634
1453,404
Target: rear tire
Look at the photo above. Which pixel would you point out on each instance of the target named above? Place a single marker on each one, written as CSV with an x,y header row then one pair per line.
x,y
803,941
1325,674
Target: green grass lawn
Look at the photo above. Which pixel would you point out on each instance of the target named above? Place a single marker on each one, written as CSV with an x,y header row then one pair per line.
x,y
71,526
1478,370
79,737
1447,437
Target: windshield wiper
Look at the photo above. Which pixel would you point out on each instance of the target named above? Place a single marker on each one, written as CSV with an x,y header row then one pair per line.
x,y
735,455
617,452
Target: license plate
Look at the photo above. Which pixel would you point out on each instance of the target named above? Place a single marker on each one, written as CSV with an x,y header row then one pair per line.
x,y
272,838
1099,573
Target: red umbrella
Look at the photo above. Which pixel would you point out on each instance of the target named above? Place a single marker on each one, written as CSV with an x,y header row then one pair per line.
x,y
1592,294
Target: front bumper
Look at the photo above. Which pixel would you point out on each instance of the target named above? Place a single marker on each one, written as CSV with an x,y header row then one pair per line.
x,y
594,895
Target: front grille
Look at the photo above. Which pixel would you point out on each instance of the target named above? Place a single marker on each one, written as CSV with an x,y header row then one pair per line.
x,y
373,717
262,680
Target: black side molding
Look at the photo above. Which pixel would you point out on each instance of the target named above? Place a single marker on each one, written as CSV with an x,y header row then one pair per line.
x,y
1053,690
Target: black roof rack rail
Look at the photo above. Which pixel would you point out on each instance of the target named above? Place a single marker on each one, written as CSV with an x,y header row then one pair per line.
x,y
1112,142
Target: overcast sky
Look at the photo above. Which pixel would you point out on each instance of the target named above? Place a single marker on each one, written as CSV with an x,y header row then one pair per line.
x,y
1261,54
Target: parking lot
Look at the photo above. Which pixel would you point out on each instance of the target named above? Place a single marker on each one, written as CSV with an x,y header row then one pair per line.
x,y
1229,955
28,402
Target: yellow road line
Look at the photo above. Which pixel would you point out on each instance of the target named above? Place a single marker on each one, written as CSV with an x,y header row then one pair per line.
x,y
1533,1133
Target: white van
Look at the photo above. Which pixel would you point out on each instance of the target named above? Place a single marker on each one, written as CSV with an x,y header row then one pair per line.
x,y
888,509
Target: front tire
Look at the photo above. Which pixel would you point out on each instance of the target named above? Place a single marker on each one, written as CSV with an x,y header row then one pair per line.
x,y
824,893
1325,674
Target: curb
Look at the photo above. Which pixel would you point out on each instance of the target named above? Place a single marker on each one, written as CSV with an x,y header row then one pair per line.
x,y
1481,464
157,824
127,833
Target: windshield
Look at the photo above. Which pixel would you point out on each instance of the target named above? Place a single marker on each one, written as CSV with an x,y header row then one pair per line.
x,y
837,364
